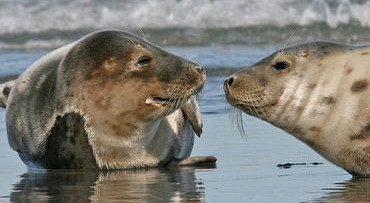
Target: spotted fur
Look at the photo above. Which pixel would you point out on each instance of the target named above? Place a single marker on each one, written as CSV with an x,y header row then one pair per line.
x,y
322,96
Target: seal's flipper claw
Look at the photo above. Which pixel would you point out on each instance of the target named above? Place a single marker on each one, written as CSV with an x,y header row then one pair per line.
x,y
192,114
4,93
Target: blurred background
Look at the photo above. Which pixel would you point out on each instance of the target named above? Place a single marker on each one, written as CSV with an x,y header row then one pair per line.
x,y
31,24
48,24
218,34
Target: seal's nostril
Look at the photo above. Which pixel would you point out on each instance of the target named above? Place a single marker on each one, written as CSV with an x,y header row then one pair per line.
x,y
230,81
199,69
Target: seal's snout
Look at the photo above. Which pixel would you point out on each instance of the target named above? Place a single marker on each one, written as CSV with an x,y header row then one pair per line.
x,y
240,82
229,81
200,69
199,73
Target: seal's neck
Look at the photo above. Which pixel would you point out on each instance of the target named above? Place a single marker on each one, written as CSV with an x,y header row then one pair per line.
x,y
128,145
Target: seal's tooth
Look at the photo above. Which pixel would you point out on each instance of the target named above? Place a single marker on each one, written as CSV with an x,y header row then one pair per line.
x,y
149,101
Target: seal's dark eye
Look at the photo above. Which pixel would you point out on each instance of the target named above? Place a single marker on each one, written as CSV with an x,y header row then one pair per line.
x,y
281,65
144,60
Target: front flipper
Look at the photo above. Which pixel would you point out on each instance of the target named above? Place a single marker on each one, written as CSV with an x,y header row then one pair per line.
x,y
194,161
192,113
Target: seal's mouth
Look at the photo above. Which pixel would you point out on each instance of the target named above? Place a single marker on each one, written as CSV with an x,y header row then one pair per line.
x,y
165,101
175,98
158,100
231,99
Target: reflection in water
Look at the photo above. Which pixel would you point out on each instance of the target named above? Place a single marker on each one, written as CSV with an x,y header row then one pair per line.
x,y
353,190
144,185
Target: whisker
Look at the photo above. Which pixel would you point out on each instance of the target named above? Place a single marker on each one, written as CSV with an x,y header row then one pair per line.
x,y
168,106
143,34
250,109
241,124
171,104
238,120
174,100
177,104
132,41
232,114
291,35
255,110
260,109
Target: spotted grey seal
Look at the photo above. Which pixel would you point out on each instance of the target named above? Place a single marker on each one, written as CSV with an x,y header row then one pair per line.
x,y
319,92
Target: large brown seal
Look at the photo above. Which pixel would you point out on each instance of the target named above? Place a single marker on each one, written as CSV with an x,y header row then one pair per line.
x,y
319,92
110,100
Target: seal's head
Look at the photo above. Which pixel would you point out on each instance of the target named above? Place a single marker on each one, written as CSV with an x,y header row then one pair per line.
x,y
277,83
121,80
318,92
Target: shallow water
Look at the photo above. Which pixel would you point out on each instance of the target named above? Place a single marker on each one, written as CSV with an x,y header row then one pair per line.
x,y
246,170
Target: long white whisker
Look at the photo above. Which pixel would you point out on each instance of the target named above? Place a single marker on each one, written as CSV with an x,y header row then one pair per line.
x,y
173,101
241,124
236,115
170,105
291,35
132,41
143,35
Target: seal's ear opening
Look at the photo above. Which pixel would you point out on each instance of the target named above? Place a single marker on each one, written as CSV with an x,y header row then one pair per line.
x,y
192,114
